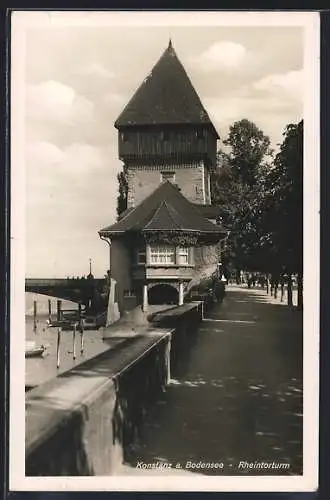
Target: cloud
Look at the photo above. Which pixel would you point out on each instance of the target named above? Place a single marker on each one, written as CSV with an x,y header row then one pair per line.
x,y
70,166
269,111
113,99
95,70
52,101
71,194
221,55
43,153
290,82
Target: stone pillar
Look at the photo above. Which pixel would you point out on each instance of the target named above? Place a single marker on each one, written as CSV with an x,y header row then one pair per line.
x,y
180,294
145,298
113,314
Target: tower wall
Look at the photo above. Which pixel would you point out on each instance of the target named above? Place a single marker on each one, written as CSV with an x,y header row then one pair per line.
x,y
191,179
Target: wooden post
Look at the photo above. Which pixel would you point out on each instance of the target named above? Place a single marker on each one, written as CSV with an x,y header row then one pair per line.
x,y
58,347
289,290
82,341
35,316
50,310
79,313
81,329
282,289
74,340
59,312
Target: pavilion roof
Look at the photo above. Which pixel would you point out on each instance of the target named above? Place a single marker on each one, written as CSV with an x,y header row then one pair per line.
x,y
164,210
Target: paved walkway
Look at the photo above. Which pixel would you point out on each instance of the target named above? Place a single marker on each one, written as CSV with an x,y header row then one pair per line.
x,y
239,397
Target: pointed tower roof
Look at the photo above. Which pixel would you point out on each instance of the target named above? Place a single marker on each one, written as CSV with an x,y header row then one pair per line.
x,y
166,96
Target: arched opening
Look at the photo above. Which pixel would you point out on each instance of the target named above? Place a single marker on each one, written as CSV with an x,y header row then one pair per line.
x,y
163,294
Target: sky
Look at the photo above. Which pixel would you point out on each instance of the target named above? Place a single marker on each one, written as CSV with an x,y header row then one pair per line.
x,y
77,81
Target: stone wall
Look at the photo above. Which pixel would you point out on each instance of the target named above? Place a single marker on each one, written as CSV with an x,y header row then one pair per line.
x,y
84,422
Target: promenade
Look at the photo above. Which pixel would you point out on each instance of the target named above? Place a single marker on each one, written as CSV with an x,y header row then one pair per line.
x,y
238,396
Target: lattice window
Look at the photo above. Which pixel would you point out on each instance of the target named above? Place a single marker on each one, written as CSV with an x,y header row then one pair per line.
x,y
162,254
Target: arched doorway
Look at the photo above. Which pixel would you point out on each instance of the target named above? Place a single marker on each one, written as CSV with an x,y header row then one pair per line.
x,y
163,294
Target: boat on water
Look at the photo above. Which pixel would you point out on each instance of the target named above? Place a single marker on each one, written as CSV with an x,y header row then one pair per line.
x,y
32,350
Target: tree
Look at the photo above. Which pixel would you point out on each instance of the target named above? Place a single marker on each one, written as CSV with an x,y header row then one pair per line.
x,y
237,186
283,207
123,189
249,148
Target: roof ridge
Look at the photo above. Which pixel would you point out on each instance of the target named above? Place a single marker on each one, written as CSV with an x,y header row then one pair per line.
x,y
163,203
169,212
176,211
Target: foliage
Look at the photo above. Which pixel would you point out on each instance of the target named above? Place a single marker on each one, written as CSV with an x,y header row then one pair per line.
x,y
249,148
237,186
283,203
123,190
260,200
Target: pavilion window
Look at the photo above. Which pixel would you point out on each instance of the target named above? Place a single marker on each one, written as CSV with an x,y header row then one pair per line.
x,y
162,254
142,255
183,255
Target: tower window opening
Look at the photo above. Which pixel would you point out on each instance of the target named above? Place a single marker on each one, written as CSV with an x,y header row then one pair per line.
x,y
124,136
167,176
199,134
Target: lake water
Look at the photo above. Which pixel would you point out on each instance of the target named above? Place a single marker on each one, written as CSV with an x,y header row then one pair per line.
x,y
41,369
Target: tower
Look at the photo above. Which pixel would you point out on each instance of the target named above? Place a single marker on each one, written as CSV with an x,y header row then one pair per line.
x,y
165,133
166,240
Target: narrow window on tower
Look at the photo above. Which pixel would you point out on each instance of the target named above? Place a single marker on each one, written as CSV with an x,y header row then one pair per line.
x,y
167,176
165,136
124,136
